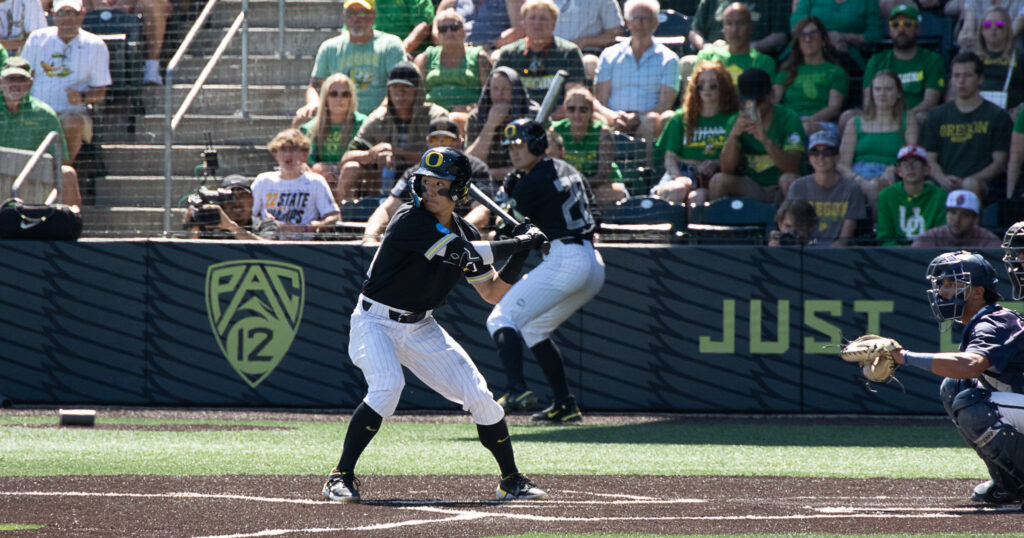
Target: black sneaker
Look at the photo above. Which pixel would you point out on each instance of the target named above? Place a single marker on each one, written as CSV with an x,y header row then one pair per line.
x,y
517,487
989,492
341,487
560,412
518,401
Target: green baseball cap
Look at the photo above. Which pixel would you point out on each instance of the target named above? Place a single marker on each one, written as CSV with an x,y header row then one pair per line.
x,y
16,65
906,10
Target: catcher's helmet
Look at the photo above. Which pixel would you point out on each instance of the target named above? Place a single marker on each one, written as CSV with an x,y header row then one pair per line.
x,y
951,277
529,132
1013,247
444,163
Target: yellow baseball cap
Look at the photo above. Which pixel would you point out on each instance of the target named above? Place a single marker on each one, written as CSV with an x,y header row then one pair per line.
x,y
365,4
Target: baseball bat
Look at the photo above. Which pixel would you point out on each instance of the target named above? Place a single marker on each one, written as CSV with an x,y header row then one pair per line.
x,y
549,98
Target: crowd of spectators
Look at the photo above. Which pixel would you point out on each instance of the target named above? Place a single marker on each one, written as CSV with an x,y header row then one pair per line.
x,y
842,104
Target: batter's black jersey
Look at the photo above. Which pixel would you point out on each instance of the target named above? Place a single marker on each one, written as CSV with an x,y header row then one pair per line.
x,y
555,197
417,263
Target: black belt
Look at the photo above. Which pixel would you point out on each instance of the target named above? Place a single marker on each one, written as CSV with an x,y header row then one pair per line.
x,y
401,317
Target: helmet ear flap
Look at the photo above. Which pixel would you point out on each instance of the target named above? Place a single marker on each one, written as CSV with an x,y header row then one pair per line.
x,y
416,189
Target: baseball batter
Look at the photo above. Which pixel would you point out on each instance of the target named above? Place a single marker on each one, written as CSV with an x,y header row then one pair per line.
x,y
983,385
426,250
556,198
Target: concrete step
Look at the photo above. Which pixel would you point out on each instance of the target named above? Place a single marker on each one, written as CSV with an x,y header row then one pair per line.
x,y
115,221
148,159
144,191
263,70
299,42
255,130
226,99
297,13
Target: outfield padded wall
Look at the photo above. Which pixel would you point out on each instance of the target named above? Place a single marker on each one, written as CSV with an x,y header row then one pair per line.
x,y
675,328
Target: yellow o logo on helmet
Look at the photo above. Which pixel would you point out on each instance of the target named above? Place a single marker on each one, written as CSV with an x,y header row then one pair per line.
x,y
433,159
510,131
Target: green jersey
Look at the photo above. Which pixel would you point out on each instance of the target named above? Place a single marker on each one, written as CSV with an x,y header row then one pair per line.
x,y
809,91
786,131
335,144
925,71
28,127
705,143
901,217
738,63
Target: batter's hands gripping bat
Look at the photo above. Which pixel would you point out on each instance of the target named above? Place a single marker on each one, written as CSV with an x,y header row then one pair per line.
x,y
545,109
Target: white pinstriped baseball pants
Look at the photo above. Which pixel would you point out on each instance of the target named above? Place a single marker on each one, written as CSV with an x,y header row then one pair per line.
x,y
544,298
380,347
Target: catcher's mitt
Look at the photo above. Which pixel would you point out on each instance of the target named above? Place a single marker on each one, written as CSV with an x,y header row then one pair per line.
x,y
872,352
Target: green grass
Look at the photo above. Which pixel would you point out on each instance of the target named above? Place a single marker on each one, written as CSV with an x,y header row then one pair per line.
x,y
413,449
17,527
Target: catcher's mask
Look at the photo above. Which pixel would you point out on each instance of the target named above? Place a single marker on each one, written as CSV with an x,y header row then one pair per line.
x,y
443,163
1013,258
952,276
529,132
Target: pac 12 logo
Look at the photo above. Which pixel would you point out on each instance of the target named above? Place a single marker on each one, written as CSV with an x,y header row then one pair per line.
x,y
255,307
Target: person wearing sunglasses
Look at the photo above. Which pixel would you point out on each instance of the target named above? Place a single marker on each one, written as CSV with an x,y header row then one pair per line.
x,y
922,72
453,72
590,147
810,80
1003,84
331,131
837,200
852,27
974,13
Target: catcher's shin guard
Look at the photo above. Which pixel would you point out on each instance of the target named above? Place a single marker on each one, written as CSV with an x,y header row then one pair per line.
x,y
999,444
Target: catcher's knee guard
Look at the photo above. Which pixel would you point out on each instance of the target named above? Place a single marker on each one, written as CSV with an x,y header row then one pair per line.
x,y
950,388
998,443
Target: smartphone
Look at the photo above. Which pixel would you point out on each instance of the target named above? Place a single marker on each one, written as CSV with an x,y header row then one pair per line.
x,y
750,109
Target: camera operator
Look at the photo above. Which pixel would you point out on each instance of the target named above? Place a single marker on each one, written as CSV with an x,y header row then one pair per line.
x,y
229,216
796,220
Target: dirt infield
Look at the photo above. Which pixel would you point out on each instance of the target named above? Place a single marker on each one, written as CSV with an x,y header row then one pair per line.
x,y
461,506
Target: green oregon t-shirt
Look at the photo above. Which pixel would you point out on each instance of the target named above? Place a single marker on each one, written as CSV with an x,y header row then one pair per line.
x,y
453,86
924,71
583,155
332,148
809,92
704,144
901,218
736,64
786,130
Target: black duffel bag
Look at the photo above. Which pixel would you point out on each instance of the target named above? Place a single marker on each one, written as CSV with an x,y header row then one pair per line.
x,y
19,220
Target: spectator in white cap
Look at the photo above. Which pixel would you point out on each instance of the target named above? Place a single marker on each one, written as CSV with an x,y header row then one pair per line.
x,y
961,229
838,201
911,206
72,71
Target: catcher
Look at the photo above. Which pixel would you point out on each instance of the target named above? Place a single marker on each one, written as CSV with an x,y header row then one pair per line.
x,y
983,385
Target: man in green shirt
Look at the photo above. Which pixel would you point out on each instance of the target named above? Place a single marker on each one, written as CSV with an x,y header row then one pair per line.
x,y
764,149
364,54
921,71
25,121
737,54
911,206
770,28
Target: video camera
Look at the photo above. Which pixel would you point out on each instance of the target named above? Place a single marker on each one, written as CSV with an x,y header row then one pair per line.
x,y
205,196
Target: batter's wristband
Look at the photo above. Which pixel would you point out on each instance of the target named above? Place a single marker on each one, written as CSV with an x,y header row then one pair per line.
x,y
919,360
510,272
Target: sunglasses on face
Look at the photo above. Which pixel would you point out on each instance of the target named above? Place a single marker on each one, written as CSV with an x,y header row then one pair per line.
x,y
336,93
66,13
906,24
445,28
582,108
997,24
822,153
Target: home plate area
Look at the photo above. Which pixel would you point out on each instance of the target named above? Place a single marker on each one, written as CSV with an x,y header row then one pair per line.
x,y
245,505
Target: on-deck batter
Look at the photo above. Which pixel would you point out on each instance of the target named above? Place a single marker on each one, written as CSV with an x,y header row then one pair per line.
x,y
555,198
426,250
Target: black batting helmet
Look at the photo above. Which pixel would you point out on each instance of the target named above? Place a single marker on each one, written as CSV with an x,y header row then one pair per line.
x,y
1013,259
444,163
529,132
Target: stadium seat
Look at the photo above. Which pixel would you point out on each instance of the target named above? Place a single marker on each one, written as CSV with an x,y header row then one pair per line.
x,y
644,219
732,220
673,28
122,32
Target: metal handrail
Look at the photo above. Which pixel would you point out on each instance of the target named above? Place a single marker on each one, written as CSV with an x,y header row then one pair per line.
x,y
51,138
171,121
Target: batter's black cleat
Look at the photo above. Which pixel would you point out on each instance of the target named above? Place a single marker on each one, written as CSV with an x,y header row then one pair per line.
x,y
341,487
560,412
518,401
990,493
517,487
